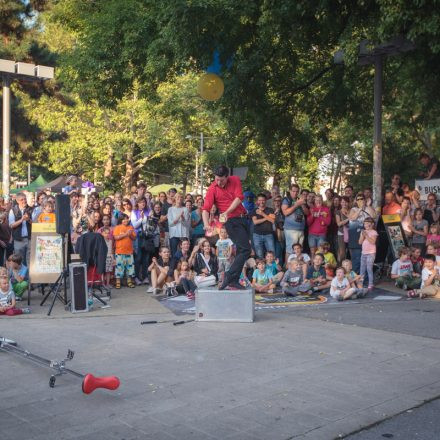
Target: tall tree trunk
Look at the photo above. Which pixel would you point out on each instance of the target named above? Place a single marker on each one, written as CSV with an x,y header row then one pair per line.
x,y
129,172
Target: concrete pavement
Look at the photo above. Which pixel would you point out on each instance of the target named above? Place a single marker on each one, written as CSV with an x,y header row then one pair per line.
x,y
294,373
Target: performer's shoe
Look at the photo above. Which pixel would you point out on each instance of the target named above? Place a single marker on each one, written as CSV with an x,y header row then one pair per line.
x,y
224,284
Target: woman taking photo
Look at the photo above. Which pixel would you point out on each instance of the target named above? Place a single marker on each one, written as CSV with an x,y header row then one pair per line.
x,y
139,221
342,221
205,265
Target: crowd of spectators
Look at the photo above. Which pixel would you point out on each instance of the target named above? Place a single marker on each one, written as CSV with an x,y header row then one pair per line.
x,y
302,242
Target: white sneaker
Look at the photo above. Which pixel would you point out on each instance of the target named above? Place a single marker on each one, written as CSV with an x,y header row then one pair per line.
x,y
137,281
146,281
151,290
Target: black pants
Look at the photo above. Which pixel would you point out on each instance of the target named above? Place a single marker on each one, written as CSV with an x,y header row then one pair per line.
x,y
238,231
188,285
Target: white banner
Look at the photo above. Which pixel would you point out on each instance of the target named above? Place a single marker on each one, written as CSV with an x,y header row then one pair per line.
x,y
425,187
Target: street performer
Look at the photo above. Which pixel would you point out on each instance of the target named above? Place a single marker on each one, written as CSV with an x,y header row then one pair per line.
x,y
226,193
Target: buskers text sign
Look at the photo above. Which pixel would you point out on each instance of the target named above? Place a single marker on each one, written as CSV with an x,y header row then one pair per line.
x,y
425,187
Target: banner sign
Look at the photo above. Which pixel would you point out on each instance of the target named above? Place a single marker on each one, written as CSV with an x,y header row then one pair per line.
x,y
425,187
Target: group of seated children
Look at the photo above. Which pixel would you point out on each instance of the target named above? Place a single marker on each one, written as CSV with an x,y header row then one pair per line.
x,y
13,284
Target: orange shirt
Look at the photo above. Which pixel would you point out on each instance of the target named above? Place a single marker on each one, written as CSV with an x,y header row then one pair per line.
x,y
46,217
125,245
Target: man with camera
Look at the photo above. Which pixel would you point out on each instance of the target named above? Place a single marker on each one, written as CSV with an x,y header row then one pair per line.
x,y
20,223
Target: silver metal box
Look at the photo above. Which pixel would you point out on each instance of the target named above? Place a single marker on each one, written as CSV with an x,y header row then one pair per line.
x,y
225,305
26,69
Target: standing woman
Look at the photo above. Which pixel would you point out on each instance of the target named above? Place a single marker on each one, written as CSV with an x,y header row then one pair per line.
x,y
329,196
332,231
197,222
318,221
357,215
156,213
342,221
179,221
280,245
139,221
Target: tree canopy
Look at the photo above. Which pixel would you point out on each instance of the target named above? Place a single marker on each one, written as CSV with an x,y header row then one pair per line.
x,y
125,96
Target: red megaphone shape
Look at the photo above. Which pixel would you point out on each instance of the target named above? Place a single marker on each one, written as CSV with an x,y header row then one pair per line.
x,y
90,383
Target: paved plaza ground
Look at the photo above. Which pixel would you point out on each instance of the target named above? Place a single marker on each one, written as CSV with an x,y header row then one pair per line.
x,y
303,372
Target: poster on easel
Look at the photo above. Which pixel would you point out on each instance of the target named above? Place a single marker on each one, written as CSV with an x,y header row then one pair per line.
x,y
46,254
396,234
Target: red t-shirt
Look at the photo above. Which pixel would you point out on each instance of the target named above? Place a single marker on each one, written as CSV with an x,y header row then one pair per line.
x,y
223,197
391,208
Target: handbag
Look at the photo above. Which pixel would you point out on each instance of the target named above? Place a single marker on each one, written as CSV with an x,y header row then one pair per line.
x,y
146,241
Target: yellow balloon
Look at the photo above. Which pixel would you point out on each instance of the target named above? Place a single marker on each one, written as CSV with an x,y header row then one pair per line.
x,y
210,87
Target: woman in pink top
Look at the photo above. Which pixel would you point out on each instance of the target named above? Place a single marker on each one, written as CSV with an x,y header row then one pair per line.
x,y
368,239
318,220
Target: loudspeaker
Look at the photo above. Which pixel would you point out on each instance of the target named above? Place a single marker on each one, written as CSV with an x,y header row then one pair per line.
x,y
78,287
62,213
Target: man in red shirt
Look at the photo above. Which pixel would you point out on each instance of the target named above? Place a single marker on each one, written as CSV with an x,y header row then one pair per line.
x,y
390,206
226,193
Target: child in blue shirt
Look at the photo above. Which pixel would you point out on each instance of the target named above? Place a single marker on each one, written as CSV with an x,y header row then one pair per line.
x,y
262,280
273,266
18,274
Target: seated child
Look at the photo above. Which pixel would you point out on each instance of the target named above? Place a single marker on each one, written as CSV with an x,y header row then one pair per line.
x,y
430,280
7,299
403,273
273,266
47,216
417,259
184,277
262,278
161,271
341,289
293,280
224,247
432,249
18,274
298,254
355,280
317,276
329,259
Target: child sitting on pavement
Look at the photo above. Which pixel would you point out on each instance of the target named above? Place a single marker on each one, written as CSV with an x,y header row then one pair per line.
x,y
298,254
7,299
417,260
293,280
403,273
317,276
262,278
355,280
274,267
184,277
18,274
430,280
329,259
432,249
340,288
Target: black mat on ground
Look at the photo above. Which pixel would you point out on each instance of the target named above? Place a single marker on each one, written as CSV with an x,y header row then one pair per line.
x,y
181,305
